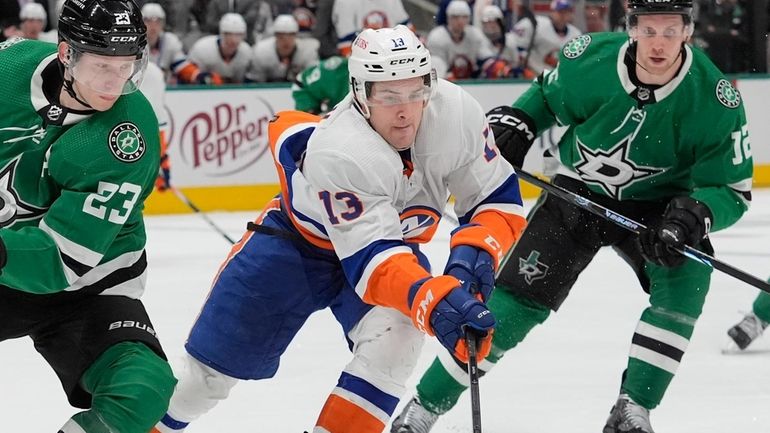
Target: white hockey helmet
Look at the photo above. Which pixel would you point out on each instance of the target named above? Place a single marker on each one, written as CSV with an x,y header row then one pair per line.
x,y
33,11
285,24
458,8
232,23
388,54
153,11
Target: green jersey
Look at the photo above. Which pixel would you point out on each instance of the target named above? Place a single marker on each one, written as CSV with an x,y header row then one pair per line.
x,y
630,141
72,184
319,88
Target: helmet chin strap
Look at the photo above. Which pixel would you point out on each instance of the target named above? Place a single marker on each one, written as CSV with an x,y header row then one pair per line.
x,y
69,86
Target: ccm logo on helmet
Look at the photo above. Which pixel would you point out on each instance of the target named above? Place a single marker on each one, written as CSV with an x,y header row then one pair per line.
x,y
402,61
123,38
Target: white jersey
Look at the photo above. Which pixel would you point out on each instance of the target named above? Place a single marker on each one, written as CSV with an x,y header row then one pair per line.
x,y
154,89
546,45
509,52
168,53
205,53
268,67
351,16
358,195
462,58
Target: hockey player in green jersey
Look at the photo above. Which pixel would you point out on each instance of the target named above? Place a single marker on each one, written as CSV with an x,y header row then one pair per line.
x,y
656,133
319,88
79,156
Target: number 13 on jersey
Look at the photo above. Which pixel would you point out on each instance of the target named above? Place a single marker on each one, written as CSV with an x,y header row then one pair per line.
x,y
347,200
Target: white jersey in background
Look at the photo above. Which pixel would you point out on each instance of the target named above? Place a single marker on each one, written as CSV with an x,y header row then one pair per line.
x,y
351,16
462,58
509,52
454,151
205,53
168,54
154,89
268,67
546,45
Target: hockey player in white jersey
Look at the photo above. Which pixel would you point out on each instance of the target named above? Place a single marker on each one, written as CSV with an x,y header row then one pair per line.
x,y
166,49
505,49
462,47
540,50
227,55
283,56
350,17
359,192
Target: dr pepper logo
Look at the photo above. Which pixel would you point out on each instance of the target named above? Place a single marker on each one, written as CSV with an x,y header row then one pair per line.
x,y
226,137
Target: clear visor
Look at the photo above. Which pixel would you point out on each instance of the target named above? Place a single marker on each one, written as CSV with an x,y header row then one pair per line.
x,y
110,75
400,92
392,97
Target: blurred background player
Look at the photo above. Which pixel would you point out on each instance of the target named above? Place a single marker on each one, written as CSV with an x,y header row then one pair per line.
x,y
80,158
541,39
350,17
153,87
680,182
319,88
166,49
505,51
33,20
225,56
460,46
282,56
345,232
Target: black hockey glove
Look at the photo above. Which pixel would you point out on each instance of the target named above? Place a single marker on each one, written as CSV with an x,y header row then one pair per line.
x,y
686,221
514,132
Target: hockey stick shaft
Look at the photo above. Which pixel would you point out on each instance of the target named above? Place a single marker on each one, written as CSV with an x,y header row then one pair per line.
x,y
636,227
203,215
473,374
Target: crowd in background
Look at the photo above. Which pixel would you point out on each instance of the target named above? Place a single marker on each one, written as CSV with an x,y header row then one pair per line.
x,y
241,41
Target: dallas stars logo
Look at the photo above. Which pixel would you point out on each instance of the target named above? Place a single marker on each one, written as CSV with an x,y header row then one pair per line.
x,y
612,170
12,208
576,47
532,268
126,143
727,94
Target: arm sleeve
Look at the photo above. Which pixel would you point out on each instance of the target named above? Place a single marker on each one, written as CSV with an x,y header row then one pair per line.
x,y
365,228
486,188
100,200
724,168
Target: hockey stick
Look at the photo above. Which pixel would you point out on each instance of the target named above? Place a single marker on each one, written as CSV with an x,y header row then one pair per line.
x,y
636,228
473,373
203,215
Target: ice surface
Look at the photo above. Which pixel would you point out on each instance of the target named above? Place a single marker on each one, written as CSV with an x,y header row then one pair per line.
x,y
563,378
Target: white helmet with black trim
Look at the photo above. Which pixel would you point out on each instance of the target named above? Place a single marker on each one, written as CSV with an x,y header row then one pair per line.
x,y
388,54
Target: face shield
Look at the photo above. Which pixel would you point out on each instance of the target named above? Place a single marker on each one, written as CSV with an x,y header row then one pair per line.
x,y
110,75
401,94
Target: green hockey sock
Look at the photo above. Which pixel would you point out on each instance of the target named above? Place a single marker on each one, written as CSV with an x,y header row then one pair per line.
x,y
131,387
761,306
445,380
660,340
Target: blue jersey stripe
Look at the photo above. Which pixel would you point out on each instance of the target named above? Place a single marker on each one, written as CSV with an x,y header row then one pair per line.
x,y
507,193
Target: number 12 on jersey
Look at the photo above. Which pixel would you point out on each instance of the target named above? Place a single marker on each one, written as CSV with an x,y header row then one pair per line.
x,y
353,206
